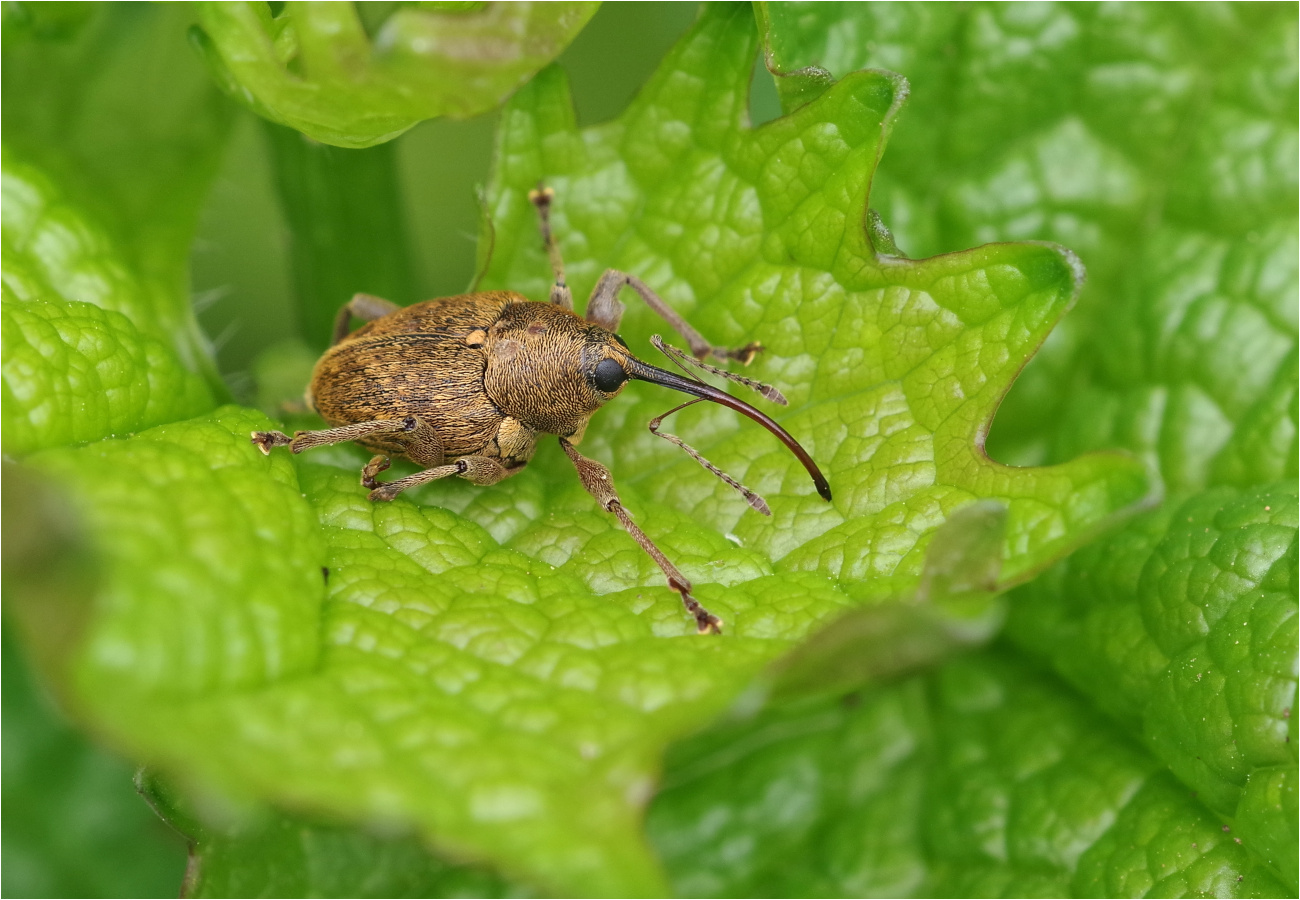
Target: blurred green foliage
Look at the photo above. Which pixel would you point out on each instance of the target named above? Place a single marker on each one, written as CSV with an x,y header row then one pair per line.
x,y
1127,737
74,825
358,75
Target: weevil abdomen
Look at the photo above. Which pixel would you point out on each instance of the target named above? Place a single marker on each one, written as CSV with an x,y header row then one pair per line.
x,y
426,360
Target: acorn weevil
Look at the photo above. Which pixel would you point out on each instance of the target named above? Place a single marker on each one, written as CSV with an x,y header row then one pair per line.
x,y
465,385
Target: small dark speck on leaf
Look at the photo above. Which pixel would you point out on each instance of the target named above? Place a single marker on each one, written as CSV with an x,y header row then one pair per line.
x,y
325,573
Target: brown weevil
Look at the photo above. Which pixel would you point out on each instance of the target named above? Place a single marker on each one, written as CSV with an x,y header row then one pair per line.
x,y
465,385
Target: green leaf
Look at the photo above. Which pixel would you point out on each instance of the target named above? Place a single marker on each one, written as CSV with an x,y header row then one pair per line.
x,y
178,505
1167,162
986,778
1164,844
1266,816
1183,627
316,68
954,608
554,727
282,857
1156,142
1183,349
264,854
87,353
120,117
74,824
500,670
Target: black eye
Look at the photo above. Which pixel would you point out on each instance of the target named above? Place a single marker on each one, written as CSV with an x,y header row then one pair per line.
x,y
608,376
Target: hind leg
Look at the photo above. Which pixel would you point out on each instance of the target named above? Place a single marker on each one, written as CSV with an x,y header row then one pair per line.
x,y
366,307
417,438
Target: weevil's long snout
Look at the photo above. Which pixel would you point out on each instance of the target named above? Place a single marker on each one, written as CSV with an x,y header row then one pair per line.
x,y
646,372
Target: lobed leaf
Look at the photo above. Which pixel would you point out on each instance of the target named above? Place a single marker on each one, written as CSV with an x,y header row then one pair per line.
x,y
1158,143
1247,443
501,671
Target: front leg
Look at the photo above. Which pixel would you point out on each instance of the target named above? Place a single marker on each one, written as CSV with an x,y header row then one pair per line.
x,y
596,479
606,310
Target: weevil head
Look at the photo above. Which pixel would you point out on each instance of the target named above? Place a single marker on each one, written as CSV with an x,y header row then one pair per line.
x,y
552,370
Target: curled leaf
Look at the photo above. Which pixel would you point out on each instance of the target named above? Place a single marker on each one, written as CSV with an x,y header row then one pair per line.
x,y
315,68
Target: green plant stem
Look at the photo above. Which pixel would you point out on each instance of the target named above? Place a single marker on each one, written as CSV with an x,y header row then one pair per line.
x,y
347,233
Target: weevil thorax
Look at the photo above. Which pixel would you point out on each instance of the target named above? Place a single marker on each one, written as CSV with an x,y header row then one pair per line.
x,y
550,369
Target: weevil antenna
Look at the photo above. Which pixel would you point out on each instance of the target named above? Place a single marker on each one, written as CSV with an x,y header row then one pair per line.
x,y
751,498
635,368
679,356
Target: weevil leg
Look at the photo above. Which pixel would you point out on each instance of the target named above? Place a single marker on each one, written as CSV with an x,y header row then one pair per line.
x,y
266,440
377,464
606,310
415,435
603,306
542,198
366,307
596,479
475,469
